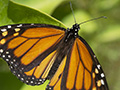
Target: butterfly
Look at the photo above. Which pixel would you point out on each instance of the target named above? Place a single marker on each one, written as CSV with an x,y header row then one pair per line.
x,y
39,52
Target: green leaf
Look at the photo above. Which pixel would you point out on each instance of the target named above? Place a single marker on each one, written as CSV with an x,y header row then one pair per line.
x,y
40,87
9,82
43,5
3,12
16,13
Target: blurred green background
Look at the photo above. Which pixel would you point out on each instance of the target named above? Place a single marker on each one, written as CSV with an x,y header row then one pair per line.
x,y
103,35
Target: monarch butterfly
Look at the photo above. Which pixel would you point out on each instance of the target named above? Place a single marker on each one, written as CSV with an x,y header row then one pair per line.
x,y
37,52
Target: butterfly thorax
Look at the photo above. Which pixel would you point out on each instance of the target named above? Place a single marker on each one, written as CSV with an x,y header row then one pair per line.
x,y
72,32
64,47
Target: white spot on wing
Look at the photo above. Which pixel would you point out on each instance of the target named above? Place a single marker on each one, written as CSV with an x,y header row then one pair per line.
x,y
9,26
7,60
39,83
9,56
76,30
22,79
94,56
102,75
32,23
18,75
75,33
40,80
1,50
7,52
98,66
3,30
3,56
31,81
11,67
14,60
102,82
33,78
11,62
19,25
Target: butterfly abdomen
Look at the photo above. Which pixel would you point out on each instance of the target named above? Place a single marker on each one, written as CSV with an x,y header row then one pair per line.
x,y
62,49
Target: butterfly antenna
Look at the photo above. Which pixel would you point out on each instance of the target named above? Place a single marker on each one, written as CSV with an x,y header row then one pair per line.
x,y
72,11
93,19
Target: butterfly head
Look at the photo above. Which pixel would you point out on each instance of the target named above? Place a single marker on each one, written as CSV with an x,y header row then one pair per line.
x,y
75,28
72,32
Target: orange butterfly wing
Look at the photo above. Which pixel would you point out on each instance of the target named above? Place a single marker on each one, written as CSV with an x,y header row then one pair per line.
x,y
30,50
79,70
36,52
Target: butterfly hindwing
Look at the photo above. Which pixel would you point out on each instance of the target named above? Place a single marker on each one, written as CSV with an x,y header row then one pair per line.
x,y
30,50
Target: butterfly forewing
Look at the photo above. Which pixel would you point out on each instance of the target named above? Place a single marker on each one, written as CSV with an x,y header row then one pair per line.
x,y
97,71
79,71
30,50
